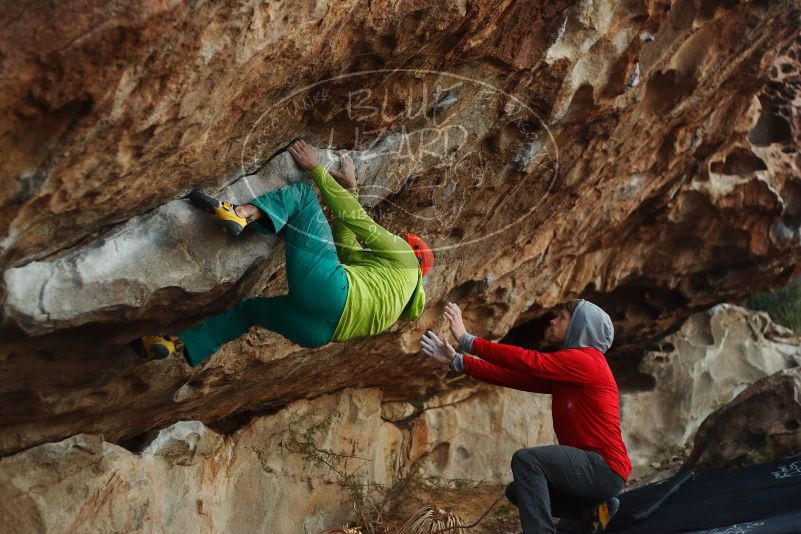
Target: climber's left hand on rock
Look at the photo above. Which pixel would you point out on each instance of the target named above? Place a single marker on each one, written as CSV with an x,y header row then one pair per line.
x,y
304,154
439,351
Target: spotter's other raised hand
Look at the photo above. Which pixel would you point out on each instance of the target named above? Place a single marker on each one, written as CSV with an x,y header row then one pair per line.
x,y
454,316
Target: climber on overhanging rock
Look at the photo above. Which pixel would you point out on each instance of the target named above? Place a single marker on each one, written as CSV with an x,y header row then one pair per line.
x,y
337,289
579,477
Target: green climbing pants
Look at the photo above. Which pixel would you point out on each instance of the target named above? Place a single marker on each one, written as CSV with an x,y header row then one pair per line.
x,y
318,285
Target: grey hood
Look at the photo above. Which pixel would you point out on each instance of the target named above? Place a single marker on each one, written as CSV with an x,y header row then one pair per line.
x,y
589,326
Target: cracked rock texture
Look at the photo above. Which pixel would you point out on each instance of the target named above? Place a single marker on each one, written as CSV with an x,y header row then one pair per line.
x,y
642,155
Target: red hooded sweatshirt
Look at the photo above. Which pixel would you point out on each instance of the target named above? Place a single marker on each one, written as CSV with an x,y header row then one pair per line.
x,y
585,406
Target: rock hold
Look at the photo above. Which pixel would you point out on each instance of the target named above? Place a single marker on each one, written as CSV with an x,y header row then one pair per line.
x,y
763,423
654,200
173,246
712,358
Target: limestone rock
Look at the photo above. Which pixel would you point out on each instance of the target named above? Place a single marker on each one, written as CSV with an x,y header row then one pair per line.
x,y
762,424
173,246
473,438
397,411
296,471
642,156
183,441
284,472
253,481
711,359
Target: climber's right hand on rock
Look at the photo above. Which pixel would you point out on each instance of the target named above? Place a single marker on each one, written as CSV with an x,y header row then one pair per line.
x,y
454,316
305,156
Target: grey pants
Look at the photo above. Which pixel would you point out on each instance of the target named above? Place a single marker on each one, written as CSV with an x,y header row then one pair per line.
x,y
559,481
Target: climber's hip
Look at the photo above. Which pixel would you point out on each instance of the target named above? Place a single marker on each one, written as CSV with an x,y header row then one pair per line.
x,y
310,313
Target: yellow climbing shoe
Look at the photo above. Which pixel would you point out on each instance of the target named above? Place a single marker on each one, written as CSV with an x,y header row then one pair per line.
x,y
224,211
154,347
604,513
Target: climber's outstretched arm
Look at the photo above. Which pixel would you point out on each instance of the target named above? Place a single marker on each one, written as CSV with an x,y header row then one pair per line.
x,y
345,207
344,238
343,204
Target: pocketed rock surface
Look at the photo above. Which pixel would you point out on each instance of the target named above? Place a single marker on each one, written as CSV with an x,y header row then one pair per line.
x,y
643,156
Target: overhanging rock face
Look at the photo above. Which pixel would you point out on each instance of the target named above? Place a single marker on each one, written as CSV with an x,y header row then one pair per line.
x,y
642,156
175,246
